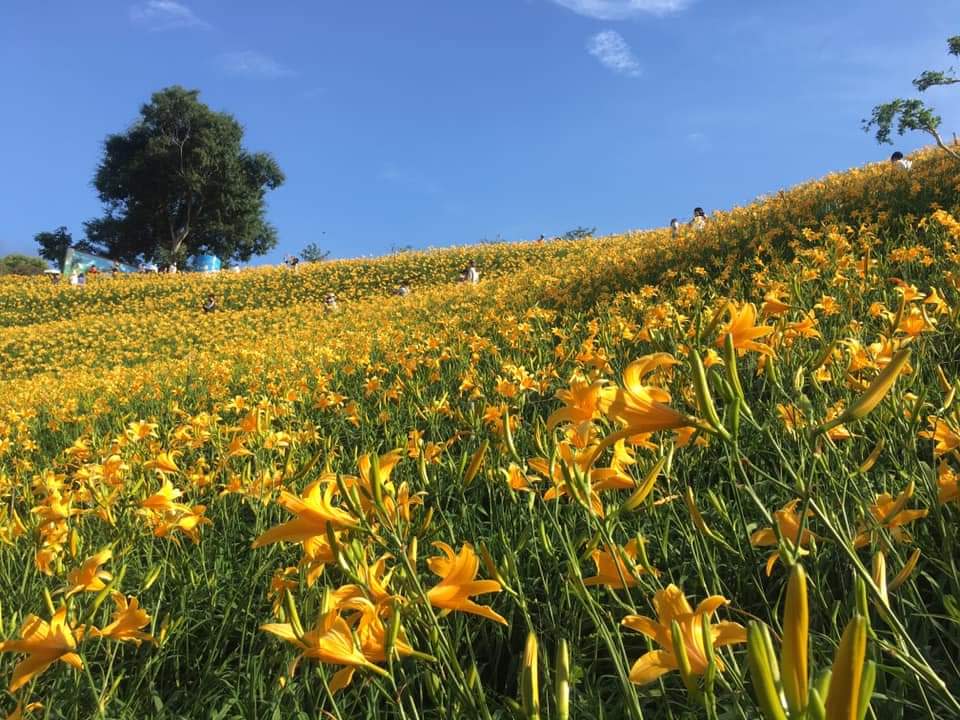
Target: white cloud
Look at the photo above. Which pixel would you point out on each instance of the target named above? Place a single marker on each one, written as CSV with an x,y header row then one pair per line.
x,y
164,15
253,64
622,9
612,50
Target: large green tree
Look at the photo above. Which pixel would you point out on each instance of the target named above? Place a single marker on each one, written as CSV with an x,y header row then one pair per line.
x,y
905,115
179,182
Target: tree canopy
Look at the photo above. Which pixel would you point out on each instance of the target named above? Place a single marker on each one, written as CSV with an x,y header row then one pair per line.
x,y
314,253
179,182
905,115
54,245
21,265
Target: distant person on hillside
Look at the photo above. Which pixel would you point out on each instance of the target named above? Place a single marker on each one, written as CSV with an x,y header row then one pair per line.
x,y
472,274
403,289
900,161
74,278
81,280
292,261
172,269
330,301
675,227
699,221
210,304
92,270
541,238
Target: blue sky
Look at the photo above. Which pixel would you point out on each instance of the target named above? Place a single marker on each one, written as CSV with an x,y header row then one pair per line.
x,y
436,123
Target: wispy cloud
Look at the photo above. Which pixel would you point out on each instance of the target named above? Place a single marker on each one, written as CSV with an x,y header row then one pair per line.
x,y
612,50
622,9
251,63
164,15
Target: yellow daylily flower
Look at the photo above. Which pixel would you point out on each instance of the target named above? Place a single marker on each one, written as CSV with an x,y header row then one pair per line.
x,y
459,572
671,605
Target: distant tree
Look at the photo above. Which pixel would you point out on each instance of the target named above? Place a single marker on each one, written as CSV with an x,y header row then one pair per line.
x,y
54,245
397,249
578,233
314,253
21,265
179,182
914,114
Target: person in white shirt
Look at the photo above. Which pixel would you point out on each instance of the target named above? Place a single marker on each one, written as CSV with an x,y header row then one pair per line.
x,y
473,275
330,300
699,221
74,278
172,269
899,160
674,227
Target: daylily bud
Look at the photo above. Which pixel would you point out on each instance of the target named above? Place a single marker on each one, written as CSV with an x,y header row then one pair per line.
x,y
529,683
292,614
476,463
680,653
393,632
704,398
706,633
872,457
843,698
152,576
872,396
866,688
733,377
764,687
695,515
645,487
880,575
561,687
906,571
793,655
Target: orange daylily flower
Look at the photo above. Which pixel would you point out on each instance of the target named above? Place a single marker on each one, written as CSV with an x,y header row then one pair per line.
x,y
948,484
314,512
163,463
89,577
671,605
611,569
330,641
44,643
745,331
642,408
788,523
889,513
128,621
459,572
946,437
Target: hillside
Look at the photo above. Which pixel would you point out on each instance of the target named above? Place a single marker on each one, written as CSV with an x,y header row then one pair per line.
x,y
597,428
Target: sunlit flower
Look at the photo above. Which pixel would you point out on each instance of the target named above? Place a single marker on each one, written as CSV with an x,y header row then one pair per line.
x,y
671,606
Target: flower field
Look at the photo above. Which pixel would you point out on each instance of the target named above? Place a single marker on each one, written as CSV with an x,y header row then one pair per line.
x,y
632,477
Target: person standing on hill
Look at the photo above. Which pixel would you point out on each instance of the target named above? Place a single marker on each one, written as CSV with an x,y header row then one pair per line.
x,y
900,161
472,274
699,221
675,227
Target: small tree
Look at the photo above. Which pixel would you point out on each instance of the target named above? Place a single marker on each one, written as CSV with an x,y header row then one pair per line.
x,y
54,245
578,233
314,253
21,265
914,114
